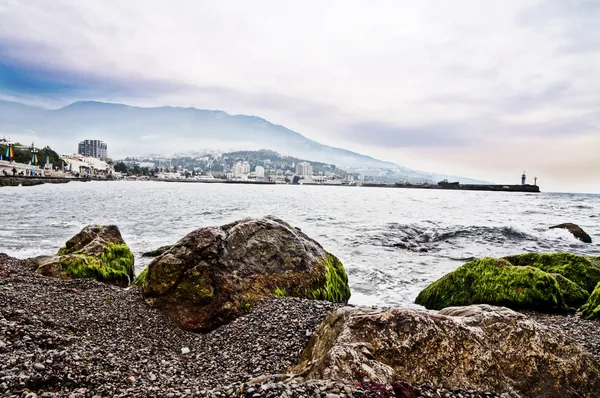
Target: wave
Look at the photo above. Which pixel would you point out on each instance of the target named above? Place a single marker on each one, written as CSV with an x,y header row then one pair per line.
x,y
417,238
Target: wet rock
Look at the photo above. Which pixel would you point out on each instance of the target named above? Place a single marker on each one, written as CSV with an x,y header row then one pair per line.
x,y
216,274
97,252
484,347
555,282
576,231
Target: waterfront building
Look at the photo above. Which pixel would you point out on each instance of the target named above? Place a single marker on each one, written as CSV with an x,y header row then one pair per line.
x,y
260,172
304,169
93,148
241,169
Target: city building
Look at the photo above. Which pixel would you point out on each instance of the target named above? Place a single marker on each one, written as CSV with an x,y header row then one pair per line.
x,y
304,169
93,148
240,169
260,172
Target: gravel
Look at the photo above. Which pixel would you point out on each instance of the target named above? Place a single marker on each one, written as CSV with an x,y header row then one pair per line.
x,y
83,338
584,332
87,338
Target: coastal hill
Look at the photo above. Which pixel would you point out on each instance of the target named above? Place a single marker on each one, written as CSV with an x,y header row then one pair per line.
x,y
136,130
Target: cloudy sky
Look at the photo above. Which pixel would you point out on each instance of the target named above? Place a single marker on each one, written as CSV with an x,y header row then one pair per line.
x,y
484,89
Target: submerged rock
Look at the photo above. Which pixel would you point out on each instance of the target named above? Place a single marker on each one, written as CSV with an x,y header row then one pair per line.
x,y
97,252
477,347
214,274
157,252
591,309
541,282
576,231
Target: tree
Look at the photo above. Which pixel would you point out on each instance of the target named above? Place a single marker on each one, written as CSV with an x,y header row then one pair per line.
x,y
121,167
296,180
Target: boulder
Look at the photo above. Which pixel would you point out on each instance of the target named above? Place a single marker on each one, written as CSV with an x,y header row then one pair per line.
x,y
214,274
476,347
97,252
576,231
541,282
591,309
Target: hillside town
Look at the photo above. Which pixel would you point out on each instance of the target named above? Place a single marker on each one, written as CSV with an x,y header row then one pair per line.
x,y
92,161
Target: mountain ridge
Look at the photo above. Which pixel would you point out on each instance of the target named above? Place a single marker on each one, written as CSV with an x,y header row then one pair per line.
x,y
169,129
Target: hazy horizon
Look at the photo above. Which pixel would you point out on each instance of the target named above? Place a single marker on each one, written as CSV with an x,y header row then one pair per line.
x,y
464,88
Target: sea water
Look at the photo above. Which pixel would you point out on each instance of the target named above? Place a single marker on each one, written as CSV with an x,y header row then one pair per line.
x,y
393,242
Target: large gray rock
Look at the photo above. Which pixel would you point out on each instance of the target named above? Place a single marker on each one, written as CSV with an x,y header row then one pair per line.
x,y
480,347
214,274
96,252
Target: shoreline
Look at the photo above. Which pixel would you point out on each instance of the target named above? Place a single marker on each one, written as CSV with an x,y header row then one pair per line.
x,y
30,181
15,181
87,338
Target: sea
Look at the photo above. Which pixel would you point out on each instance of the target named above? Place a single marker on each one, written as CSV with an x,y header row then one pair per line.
x,y
392,242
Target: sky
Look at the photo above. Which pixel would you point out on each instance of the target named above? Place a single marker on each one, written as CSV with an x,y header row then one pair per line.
x,y
484,89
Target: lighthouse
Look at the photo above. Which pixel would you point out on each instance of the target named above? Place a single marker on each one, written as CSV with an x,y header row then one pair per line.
x,y
523,178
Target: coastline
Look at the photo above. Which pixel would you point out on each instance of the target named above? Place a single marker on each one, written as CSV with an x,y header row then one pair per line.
x,y
86,338
12,181
30,181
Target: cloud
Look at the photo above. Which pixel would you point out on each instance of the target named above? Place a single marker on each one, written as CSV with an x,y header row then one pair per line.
x,y
394,136
415,74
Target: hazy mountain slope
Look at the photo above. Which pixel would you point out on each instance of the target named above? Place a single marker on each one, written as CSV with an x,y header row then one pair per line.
x,y
136,131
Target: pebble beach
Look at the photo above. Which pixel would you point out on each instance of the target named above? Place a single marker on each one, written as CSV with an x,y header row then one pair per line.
x,y
83,338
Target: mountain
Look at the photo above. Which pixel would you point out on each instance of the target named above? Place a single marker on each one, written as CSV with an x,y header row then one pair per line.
x,y
136,130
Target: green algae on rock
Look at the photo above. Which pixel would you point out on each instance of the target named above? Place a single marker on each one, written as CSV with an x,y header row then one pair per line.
x,y
582,270
336,287
498,282
140,280
213,274
591,309
97,252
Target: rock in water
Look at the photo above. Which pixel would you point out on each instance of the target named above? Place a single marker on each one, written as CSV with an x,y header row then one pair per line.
x,y
576,231
157,252
477,347
540,282
97,252
214,274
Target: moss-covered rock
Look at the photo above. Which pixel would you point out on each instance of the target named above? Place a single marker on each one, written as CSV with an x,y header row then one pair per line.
x,y
97,252
498,282
214,274
591,309
542,282
582,270
336,287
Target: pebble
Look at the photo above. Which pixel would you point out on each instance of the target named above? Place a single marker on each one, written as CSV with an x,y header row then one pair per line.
x,y
39,366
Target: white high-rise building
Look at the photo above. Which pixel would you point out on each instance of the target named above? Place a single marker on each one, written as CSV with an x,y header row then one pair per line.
x,y
304,169
241,169
260,172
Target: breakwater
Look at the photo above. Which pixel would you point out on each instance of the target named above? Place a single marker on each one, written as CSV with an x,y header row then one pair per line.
x,y
450,186
11,181
463,187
